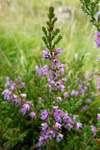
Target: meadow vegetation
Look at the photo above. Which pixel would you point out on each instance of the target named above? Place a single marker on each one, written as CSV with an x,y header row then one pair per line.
x,y
49,98
20,28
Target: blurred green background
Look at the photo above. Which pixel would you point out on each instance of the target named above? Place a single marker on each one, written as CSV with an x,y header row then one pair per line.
x,y
20,33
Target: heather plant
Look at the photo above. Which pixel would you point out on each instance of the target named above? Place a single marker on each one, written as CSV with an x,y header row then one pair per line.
x,y
59,107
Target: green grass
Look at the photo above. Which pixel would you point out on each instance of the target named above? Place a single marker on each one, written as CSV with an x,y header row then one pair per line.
x,y
20,33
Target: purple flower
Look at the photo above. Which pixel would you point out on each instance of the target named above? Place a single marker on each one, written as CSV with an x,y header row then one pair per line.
x,y
40,71
53,75
59,137
84,107
66,94
88,84
97,37
15,102
68,126
88,100
98,116
14,99
26,106
50,134
77,92
60,67
49,79
57,84
23,95
85,88
58,99
44,126
58,50
32,114
12,85
40,99
46,68
57,115
28,102
58,118
74,117
7,81
48,85
23,111
98,79
22,85
52,82
82,91
62,88
57,126
58,112
19,103
89,79
97,86
65,114
36,67
6,94
80,86
78,125
41,141
43,133
67,119
64,79
45,53
73,92
55,107
44,114
55,62
93,129
19,79
60,81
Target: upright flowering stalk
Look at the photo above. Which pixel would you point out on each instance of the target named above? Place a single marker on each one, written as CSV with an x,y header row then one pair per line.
x,y
54,70
54,82
51,38
52,117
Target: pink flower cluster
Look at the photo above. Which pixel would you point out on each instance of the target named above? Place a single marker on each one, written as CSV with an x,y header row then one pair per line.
x,y
18,98
26,107
54,118
51,71
53,130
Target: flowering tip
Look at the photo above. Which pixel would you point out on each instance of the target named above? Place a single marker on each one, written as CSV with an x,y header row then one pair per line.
x,y
32,114
78,125
98,116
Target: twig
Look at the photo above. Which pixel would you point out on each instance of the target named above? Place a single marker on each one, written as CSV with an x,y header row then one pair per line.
x,y
90,139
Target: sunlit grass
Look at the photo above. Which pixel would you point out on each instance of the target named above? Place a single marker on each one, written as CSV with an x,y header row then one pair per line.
x,y
20,33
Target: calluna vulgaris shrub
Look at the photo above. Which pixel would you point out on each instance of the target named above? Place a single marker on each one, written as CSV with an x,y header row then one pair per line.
x,y
59,107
